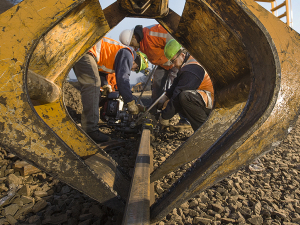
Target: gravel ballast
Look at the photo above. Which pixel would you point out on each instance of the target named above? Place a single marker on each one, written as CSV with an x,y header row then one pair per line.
x,y
265,192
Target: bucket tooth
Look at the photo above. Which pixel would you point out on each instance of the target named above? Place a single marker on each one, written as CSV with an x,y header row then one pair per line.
x,y
261,121
47,37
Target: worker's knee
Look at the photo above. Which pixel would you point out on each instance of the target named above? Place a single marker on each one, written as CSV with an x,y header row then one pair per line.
x,y
184,97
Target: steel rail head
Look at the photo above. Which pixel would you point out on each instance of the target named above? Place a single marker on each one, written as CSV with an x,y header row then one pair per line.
x,y
273,94
138,204
45,135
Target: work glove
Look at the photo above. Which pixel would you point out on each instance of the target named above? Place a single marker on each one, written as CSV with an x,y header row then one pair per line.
x,y
133,108
106,89
161,102
164,123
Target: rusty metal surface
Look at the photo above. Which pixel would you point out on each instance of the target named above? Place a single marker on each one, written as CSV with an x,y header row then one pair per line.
x,y
145,8
22,130
138,204
273,97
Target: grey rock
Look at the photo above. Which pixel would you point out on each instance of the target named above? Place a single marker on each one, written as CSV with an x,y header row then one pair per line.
x,y
159,189
193,213
217,207
25,190
65,189
9,171
13,180
57,219
39,206
40,194
86,222
297,209
184,205
3,221
26,199
34,219
227,220
3,188
11,209
256,220
72,221
96,211
24,210
18,201
201,220
193,203
11,220
88,216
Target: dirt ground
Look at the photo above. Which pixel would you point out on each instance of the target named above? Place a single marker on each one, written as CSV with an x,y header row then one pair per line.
x,y
265,192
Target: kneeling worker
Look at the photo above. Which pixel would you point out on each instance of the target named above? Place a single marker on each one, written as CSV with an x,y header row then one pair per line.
x,y
192,91
107,56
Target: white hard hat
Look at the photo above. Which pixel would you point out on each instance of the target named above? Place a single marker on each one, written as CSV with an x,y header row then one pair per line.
x,y
126,36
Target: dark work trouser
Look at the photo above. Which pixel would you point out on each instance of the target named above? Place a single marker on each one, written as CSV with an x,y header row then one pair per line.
x,y
193,108
86,71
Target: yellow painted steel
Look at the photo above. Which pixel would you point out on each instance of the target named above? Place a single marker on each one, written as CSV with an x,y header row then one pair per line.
x,y
16,45
286,110
48,140
54,56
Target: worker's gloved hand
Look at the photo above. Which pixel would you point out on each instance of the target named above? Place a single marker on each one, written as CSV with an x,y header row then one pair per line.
x,y
133,108
106,89
163,123
141,108
162,101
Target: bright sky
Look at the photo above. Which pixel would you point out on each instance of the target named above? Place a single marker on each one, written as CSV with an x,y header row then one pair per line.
x,y
177,6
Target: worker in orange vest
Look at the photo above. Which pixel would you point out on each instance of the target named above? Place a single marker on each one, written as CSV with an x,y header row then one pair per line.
x,y
151,41
112,81
192,91
108,84
106,57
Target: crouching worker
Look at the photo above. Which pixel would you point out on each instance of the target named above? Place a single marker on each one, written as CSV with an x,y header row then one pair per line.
x,y
191,92
106,57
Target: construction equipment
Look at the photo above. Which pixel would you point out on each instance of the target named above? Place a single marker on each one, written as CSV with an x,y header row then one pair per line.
x,y
275,8
115,113
251,56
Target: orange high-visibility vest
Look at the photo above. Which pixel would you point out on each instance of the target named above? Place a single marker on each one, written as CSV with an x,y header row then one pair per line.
x,y
112,81
206,89
105,52
153,45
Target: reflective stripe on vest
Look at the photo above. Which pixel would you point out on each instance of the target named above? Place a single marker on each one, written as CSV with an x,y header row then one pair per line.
x,y
158,34
105,52
205,89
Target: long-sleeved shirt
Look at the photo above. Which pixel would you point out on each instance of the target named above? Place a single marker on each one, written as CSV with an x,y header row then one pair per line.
x,y
188,77
122,67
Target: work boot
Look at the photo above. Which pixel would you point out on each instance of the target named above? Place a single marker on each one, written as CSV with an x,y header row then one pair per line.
x,y
98,136
181,125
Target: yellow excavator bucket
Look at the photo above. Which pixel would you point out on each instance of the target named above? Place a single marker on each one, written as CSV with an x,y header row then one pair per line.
x,y
250,54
